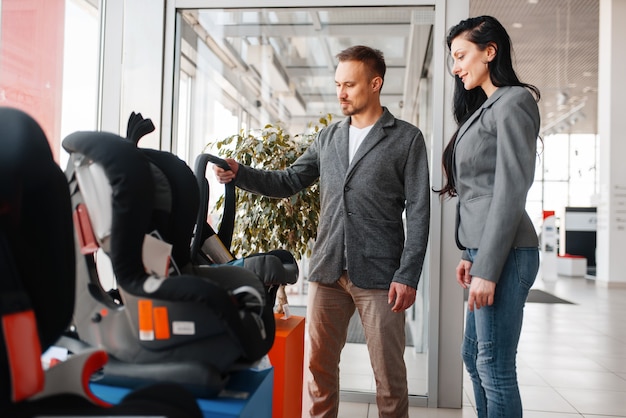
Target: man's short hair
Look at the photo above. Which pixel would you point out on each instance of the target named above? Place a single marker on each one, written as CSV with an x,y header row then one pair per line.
x,y
372,58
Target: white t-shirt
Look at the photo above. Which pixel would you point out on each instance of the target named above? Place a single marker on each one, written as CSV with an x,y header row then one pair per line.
x,y
356,139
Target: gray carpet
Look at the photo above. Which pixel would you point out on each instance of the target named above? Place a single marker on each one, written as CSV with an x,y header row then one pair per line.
x,y
356,334
539,296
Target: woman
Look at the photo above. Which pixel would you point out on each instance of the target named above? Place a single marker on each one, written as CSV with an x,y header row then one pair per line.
x,y
489,164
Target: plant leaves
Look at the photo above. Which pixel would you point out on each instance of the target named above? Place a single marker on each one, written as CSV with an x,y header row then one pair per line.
x,y
264,224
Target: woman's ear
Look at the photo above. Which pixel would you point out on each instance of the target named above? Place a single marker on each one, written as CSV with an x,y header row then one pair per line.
x,y
492,51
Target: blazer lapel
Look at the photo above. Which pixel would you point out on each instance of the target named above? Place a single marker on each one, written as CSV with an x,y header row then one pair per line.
x,y
495,96
342,143
491,100
375,135
468,123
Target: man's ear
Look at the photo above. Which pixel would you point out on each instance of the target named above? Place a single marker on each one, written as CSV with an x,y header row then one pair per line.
x,y
377,83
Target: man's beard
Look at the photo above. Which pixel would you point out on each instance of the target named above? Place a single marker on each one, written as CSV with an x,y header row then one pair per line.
x,y
350,110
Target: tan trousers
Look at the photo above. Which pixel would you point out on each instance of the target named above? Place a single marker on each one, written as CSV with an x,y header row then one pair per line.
x,y
329,310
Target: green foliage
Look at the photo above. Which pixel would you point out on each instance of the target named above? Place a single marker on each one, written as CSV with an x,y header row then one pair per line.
x,y
261,223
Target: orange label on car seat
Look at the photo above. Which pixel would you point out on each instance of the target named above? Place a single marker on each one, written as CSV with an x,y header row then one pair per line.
x,y
161,323
146,324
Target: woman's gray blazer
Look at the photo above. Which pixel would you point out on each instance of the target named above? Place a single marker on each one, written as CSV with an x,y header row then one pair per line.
x,y
494,166
361,203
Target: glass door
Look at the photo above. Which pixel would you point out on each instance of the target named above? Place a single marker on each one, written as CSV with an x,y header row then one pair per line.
x,y
243,68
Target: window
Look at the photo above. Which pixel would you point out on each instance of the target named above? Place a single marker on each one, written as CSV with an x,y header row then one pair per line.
x,y
49,54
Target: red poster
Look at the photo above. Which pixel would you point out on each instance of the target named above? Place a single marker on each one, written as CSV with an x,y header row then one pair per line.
x,y
31,62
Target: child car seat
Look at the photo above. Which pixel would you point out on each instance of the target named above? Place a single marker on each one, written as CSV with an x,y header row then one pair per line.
x,y
276,268
37,284
188,326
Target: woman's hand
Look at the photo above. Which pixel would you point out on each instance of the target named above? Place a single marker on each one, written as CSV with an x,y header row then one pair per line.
x,y
463,273
481,291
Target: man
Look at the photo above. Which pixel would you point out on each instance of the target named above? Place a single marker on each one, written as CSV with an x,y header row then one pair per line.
x,y
371,168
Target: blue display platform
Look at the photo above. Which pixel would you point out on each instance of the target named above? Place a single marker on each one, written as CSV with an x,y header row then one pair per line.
x,y
247,395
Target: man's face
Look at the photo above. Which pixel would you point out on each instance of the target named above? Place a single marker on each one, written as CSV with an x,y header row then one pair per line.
x,y
355,89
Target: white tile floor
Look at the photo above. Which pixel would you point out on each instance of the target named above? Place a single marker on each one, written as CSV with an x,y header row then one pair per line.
x,y
571,362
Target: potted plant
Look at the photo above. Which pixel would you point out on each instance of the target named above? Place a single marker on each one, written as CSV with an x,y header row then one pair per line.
x,y
263,223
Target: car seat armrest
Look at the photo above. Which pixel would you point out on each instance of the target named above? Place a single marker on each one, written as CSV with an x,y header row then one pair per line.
x,y
62,377
271,268
250,297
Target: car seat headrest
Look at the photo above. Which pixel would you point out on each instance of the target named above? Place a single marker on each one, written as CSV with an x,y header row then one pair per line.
x,y
147,190
132,189
177,197
137,127
35,216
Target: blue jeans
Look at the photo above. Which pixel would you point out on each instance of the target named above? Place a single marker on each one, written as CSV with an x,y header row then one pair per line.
x,y
492,334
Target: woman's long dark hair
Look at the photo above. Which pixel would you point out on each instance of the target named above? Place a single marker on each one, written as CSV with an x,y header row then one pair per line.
x,y
482,31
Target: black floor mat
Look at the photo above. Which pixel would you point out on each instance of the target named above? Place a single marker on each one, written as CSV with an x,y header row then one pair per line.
x,y
539,296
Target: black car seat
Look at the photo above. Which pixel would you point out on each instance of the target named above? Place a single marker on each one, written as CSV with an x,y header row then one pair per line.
x,y
166,320
37,285
206,247
276,267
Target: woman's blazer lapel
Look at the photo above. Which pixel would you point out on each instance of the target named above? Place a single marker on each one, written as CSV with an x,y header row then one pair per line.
x,y
488,103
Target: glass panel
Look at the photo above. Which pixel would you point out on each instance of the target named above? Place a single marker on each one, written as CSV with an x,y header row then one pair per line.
x,y
80,68
555,195
182,134
534,204
251,67
556,157
566,174
583,173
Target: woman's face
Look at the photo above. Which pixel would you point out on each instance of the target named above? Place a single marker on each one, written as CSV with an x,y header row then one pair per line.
x,y
470,64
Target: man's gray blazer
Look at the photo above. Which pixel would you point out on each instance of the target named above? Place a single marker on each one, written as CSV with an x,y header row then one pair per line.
x,y
361,203
494,166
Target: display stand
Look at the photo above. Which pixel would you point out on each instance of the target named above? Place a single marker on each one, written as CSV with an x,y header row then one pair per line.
x,y
248,394
580,226
572,265
287,358
549,250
